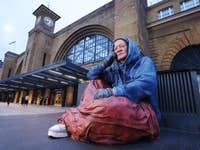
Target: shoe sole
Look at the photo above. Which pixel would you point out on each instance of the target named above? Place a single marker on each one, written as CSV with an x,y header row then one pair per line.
x,y
52,134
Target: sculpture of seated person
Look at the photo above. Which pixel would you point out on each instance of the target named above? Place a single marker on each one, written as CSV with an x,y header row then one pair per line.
x,y
120,103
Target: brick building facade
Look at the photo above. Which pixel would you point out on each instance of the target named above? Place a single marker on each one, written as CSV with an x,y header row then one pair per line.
x,y
162,31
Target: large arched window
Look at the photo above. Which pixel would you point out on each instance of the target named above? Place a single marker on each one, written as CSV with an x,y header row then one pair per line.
x,y
89,49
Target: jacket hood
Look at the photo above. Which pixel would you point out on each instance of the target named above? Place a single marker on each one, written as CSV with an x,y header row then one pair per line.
x,y
133,51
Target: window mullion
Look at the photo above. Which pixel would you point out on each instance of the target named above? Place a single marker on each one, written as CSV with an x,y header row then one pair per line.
x,y
108,47
73,54
95,49
83,52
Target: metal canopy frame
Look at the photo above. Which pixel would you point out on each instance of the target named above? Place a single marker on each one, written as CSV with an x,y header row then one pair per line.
x,y
51,76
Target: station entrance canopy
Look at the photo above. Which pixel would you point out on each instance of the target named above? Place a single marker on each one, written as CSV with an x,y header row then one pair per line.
x,y
51,76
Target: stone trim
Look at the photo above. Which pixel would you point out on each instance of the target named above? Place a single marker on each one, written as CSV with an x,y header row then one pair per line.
x,y
187,38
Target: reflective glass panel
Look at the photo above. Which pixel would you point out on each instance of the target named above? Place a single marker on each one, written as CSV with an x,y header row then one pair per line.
x,y
187,4
163,13
90,49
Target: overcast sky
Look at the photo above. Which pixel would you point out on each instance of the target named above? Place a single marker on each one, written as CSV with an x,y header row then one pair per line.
x,y
16,19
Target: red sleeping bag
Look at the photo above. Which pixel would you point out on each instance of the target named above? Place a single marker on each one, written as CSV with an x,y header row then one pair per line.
x,y
113,120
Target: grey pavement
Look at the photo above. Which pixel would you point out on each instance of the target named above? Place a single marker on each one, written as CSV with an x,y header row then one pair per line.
x,y
18,109
25,128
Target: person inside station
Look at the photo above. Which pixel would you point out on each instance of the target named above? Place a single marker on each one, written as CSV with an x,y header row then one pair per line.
x,y
9,98
47,100
26,100
119,105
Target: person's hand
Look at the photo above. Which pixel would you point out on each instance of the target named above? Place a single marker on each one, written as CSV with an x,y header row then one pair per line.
x,y
103,93
109,59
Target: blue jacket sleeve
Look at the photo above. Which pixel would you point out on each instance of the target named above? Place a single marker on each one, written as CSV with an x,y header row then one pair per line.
x,y
144,83
98,71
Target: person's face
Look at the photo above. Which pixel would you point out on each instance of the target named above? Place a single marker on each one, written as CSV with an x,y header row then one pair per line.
x,y
121,49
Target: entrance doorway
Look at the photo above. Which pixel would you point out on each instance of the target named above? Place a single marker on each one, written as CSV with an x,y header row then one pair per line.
x,y
187,59
58,97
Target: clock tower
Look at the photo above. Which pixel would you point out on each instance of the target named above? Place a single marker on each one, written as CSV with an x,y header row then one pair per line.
x,y
40,39
45,19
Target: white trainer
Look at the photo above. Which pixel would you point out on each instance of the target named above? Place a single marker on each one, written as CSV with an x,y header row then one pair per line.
x,y
57,131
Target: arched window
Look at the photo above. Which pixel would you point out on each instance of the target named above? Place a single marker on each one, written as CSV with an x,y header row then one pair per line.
x,y
89,49
187,59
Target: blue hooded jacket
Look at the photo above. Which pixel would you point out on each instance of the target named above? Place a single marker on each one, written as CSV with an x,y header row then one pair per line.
x,y
135,78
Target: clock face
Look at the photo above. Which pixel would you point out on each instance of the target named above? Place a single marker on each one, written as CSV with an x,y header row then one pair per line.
x,y
48,21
